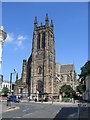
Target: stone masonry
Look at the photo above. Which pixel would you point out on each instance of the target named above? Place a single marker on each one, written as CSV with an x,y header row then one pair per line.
x,y
39,72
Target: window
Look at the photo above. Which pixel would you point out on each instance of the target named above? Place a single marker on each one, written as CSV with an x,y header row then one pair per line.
x,y
43,40
68,77
39,70
62,78
58,75
51,35
38,41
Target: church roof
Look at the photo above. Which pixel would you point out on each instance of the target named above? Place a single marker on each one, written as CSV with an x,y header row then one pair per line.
x,y
66,68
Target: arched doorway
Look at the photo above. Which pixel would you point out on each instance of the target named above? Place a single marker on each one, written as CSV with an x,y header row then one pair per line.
x,y
39,89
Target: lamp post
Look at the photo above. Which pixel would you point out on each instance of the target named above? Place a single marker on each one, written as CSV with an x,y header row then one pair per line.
x,y
3,36
52,87
11,80
43,74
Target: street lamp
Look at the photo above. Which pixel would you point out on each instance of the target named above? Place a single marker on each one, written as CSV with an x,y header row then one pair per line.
x,y
52,86
3,36
11,80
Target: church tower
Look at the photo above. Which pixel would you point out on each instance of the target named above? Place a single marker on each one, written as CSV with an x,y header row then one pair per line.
x,y
43,58
41,76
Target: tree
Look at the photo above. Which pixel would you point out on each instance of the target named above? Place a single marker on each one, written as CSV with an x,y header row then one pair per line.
x,y
85,70
5,91
81,88
67,89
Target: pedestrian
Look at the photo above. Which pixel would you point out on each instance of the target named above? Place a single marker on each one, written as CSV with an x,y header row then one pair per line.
x,y
52,99
17,98
28,98
35,99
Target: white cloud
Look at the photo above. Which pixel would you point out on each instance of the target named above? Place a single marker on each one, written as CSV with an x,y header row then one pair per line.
x,y
20,40
21,37
10,37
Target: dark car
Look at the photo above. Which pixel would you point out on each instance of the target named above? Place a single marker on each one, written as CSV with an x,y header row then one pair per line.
x,y
12,99
46,99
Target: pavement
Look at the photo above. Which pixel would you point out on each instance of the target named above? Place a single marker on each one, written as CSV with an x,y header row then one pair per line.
x,y
50,102
84,111
5,108
83,108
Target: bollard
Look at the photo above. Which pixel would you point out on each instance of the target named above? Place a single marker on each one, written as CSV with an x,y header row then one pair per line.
x,y
79,111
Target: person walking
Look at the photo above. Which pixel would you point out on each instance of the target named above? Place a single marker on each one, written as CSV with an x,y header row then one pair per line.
x,y
52,99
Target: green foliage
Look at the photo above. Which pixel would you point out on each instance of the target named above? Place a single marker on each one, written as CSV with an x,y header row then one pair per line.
x,y
67,89
66,99
81,88
85,70
5,91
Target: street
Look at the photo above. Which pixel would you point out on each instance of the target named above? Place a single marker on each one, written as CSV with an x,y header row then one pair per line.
x,y
42,110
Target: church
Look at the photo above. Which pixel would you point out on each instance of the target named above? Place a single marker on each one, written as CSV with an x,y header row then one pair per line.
x,y
41,75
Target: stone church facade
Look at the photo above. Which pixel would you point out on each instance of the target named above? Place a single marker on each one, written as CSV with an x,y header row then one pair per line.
x,y
40,74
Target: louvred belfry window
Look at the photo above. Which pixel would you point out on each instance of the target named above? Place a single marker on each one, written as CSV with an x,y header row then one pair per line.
x,y
43,40
38,41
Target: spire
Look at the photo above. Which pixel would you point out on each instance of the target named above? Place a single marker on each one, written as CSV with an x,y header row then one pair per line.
x,y
51,24
46,20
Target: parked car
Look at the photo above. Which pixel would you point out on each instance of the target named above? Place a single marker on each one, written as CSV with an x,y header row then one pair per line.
x,y
12,98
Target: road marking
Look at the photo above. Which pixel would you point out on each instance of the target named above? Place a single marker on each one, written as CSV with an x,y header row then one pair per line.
x,y
10,109
26,110
17,117
27,114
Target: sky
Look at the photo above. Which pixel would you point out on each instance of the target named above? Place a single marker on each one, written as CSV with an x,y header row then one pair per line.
x,y
70,31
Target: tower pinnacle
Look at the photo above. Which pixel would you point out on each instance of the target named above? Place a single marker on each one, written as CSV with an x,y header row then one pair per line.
x,y
46,20
35,22
16,76
51,24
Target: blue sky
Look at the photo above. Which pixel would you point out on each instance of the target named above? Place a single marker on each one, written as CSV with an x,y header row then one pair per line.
x,y
70,29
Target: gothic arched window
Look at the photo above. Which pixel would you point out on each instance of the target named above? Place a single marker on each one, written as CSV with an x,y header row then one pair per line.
x,y
68,77
38,41
43,40
39,70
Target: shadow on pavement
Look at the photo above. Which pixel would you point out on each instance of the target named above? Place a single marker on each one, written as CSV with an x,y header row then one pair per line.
x,y
84,113
67,113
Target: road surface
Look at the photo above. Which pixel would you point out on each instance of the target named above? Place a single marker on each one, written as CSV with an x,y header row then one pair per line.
x,y
42,110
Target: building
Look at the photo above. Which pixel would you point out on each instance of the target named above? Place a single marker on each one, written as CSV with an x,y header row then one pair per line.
x,y
21,85
40,73
65,74
86,95
3,36
4,83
